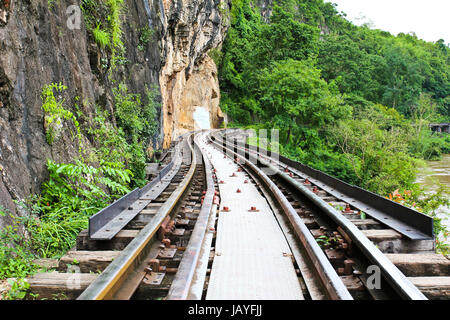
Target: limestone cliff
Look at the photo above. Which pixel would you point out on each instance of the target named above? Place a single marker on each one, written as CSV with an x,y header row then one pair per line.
x,y
188,78
37,48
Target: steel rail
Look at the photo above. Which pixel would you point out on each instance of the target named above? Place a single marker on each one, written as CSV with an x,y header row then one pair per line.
x,y
330,280
105,224
399,282
391,273
122,274
189,279
409,222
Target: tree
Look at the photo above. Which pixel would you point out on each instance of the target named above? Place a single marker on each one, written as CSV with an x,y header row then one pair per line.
x,y
294,95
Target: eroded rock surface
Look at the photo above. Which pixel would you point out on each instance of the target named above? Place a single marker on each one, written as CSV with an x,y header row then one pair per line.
x,y
37,48
189,76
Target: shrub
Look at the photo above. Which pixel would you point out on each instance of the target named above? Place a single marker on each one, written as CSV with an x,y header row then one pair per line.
x,y
74,192
16,256
101,37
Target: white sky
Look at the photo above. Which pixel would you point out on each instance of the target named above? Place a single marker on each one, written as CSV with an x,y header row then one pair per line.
x,y
429,19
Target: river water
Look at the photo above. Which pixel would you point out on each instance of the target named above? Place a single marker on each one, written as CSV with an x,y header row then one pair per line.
x,y
437,172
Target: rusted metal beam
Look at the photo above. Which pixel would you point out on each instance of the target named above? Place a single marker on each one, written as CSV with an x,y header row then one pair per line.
x,y
323,268
189,280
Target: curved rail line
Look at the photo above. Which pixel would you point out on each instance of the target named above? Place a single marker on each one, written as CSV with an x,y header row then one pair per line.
x,y
191,175
190,278
330,280
404,288
121,278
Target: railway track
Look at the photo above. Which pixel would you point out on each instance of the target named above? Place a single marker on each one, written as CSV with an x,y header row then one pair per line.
x,y
167,240
352,244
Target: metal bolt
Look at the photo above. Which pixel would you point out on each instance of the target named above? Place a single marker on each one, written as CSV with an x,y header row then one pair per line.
x,y
166,243
348,266
154,265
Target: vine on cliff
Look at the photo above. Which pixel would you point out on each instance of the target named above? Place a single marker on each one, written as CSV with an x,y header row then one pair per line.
x,y
106,13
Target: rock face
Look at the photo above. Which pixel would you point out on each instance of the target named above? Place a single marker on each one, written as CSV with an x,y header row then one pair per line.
x,y
188,78
38,48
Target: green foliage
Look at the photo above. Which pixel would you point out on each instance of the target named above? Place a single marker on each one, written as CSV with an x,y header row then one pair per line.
x,y
116,7
137,120
381,68
427,203
379,155
110,142
52,3
101,37
133,116
216,55
107,13
150,112
56,113
353,102
77,190
145,36
294,95
128,111
16,257
18,290
71,195
323,241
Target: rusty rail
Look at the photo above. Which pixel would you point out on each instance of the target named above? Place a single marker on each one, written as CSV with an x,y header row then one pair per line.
x,y
404,288
323,269
189,280
122,276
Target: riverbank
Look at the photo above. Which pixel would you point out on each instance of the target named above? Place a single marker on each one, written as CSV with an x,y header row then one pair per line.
x,y
437,172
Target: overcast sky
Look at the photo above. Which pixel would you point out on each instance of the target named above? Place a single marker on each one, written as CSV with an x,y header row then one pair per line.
x,y
429,19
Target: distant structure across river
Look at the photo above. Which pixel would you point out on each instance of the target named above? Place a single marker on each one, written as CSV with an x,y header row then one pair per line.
x,y
440,127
